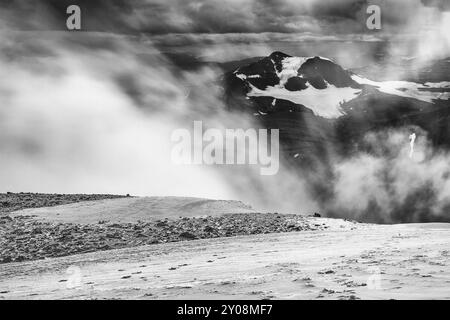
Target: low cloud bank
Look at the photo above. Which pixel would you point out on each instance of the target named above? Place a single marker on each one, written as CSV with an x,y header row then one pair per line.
x,y
384,185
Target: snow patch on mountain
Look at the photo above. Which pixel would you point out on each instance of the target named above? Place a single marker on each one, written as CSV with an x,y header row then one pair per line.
x,y
408,89
444,84
323,102
290,68
245,77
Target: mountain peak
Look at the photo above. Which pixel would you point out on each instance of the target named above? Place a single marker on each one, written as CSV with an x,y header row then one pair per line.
x,y
280,69
321,71
278,55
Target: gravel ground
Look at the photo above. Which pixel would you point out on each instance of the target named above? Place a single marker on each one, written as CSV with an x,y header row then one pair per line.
x,y
354,262
10,202
24,238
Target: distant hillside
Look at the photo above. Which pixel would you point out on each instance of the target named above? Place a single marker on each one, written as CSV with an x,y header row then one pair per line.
x,y
10,201
135,209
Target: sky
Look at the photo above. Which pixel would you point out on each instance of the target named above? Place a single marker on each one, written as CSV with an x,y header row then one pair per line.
x,y
235,29
218,16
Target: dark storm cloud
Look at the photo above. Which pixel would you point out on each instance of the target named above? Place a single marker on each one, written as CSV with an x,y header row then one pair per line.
x,y
210,16
99,15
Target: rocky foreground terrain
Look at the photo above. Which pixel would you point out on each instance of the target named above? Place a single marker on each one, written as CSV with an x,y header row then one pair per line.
x,y
366,262
143,252
24,238
80,226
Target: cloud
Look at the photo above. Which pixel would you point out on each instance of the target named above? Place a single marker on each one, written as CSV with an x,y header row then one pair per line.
x,y
211,16
94,113
391,187
71,123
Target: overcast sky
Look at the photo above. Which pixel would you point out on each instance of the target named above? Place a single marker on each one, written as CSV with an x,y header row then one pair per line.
x,y
216,16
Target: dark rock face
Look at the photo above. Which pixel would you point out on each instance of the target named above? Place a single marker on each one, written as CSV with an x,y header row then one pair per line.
x,y
317,70
269,105
260,74
277,58
296,84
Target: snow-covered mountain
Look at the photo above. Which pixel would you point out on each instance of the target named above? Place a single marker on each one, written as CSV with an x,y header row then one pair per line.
x,y
321,85
322,109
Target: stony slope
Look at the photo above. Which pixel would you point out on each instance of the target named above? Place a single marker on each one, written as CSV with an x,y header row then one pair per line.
x,y
24,238
91,226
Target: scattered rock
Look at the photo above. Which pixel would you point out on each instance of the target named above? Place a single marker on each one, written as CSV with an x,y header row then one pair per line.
x,y
209,229
25,238
187,235
326,272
